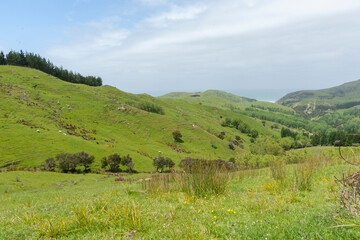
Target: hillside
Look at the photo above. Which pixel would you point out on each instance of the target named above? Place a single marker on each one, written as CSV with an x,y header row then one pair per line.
x,y
41,116
318,102
209,96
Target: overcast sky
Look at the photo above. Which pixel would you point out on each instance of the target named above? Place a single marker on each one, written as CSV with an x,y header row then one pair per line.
x,y
159,46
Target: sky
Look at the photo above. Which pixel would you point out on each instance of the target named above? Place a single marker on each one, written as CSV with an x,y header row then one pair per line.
x,y
255,48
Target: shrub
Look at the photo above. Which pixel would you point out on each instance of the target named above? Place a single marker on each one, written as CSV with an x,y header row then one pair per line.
x,y
177,136
128,162
231,146
254,133
67,162
266,145
85,160
50,164
161,162
112,161
150,107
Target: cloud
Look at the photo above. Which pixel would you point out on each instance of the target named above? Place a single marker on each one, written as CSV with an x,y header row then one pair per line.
x,y
220,44
153,2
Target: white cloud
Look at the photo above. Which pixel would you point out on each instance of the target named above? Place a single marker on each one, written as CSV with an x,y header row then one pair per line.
x,y
214,44
153,2
176,14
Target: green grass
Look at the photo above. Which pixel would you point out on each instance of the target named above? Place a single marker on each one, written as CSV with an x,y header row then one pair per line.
x,y
31,100
63,206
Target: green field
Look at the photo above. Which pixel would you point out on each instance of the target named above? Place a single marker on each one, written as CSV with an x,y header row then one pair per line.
x,y
254,206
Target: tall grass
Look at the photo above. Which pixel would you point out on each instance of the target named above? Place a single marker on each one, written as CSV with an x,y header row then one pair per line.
x,y
279,173
205,179
202,180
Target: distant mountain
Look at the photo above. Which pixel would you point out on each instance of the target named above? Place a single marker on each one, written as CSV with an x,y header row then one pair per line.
x,y
318,102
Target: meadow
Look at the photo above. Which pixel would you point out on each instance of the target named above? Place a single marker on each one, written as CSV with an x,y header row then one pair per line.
x,y
283,201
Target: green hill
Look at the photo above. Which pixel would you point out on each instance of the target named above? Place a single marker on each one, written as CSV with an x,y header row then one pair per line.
x,y
41,116
209,97
318,102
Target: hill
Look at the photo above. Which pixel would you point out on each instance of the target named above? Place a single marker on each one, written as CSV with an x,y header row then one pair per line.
x,y
41,116
318,102
208,97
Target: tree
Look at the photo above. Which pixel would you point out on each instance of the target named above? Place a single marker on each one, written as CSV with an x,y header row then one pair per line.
x,y
2,59
112,161
177,136
128,162
85,160
161,162
67,162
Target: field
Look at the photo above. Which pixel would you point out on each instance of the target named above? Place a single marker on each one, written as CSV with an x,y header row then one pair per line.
x,y
257,204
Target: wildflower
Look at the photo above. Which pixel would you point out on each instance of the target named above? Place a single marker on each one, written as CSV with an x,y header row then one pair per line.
x,y
212,210
234,212
215,217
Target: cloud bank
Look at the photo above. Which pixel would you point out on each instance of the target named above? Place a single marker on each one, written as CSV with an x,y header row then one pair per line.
x,y
228,45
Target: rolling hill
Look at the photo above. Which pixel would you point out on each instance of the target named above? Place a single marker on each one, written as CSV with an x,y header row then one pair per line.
x,y
41,116
317,102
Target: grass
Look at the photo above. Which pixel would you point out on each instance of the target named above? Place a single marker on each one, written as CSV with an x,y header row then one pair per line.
x,y
98,207
68,117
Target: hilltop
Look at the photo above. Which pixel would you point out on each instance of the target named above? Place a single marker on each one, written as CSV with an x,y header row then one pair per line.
x,y
209,94
318,102
41,116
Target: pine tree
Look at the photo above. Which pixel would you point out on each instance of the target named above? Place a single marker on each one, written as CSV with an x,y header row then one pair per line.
x,y
2,59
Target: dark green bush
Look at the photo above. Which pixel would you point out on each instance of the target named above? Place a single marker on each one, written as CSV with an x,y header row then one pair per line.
x,y
50,164
67,162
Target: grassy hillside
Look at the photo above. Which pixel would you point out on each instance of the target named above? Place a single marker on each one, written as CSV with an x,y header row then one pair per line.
x,y
209,95
41,116
318,102
275,115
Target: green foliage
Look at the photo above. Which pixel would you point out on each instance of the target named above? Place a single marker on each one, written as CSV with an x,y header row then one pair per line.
x,y
151,107
128,162
177,136
161,162
85,160
67,162
50,164
2,58
266,145
285,132
35,61
254,133
113,162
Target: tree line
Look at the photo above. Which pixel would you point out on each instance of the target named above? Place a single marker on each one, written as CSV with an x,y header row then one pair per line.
x,y
37,62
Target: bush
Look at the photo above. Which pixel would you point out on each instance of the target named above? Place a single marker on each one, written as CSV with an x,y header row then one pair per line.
x,y
150,107
254,133
67,162
85,160
266,145
113,162
177,136
50,164
128,162
231,146
162,162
